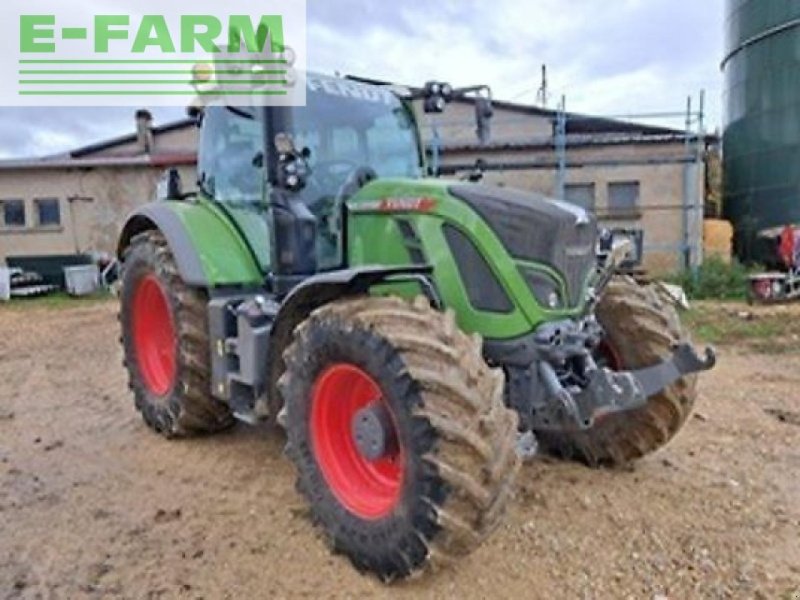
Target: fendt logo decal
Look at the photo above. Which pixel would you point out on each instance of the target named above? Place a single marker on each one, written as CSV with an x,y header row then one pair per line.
x,y
199,48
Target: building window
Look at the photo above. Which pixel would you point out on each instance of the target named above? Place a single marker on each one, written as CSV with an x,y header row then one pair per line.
x,y
48,212
13,213
623,199
580,194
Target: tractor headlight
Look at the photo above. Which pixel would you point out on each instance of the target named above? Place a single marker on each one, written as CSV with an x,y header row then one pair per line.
x,y
544,288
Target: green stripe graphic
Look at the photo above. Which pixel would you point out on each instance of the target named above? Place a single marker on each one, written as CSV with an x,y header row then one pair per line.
x,y
153,93
124,68
147,72
151,62
147,81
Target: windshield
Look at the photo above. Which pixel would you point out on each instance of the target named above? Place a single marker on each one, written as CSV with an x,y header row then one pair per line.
x,y
345,123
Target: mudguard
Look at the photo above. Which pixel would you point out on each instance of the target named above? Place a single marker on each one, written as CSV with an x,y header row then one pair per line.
x,y
208,250
322,288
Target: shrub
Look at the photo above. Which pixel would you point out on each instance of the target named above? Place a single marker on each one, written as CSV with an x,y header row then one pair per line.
x,y
715,280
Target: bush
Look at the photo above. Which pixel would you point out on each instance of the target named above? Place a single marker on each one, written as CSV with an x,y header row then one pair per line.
x,y
715,280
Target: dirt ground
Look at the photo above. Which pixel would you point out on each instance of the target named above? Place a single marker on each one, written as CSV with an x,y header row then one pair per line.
x,y
93,505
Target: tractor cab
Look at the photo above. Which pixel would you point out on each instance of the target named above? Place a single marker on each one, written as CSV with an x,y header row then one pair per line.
x,y
347,135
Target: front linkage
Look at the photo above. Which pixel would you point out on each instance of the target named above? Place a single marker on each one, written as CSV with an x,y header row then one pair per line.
x,y
556,383
556,377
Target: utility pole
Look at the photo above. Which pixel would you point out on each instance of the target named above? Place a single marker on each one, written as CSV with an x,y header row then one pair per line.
x,y
699,190
693,210
701,127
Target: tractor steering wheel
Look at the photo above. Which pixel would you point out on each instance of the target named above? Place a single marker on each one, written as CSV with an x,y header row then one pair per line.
x,y
328,208
360,177
327,176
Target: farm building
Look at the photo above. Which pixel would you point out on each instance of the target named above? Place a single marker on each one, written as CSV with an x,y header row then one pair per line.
x,y
76,203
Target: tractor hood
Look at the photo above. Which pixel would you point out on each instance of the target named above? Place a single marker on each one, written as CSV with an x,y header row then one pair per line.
x,y
537,229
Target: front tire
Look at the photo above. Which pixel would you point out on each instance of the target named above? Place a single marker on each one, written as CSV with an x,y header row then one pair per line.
x,y
642,329
443,482
166,344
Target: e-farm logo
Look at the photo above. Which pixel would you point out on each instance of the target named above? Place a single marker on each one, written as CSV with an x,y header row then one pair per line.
x,y
37,33
153,58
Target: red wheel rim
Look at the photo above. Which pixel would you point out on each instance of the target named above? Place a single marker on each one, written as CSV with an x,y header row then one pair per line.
x,y
369,489
154,336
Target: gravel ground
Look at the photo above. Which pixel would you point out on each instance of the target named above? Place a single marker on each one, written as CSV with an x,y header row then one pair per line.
x,y
93,505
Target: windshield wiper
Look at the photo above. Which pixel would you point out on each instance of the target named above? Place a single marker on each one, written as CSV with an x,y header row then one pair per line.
x,y
241,113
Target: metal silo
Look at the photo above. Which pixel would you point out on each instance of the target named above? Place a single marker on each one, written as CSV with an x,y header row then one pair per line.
x,y
761,143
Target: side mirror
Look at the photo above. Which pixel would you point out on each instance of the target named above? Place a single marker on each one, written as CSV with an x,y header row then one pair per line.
x,y
169,186
620,252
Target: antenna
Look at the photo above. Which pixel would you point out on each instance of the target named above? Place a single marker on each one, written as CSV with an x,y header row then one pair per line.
x,y
541,95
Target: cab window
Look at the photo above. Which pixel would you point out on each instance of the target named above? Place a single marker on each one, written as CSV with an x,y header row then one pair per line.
x,y
230,165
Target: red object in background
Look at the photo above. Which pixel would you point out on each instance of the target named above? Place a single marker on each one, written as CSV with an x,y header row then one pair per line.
x,y
789,248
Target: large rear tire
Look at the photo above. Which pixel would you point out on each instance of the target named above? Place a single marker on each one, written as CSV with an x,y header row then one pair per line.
x,y
166,343
444,482
641,330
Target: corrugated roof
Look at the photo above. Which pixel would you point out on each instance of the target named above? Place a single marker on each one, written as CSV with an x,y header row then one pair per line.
x,y
172,159
576,122
575,141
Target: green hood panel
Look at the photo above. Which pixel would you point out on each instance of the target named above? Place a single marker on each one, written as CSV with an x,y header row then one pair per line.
x,y
378,235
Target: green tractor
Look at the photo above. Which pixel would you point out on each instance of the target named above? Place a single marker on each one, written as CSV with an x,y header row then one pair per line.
x,y
413,335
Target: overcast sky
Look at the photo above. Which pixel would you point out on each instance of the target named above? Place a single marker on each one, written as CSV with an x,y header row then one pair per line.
x,y
608,57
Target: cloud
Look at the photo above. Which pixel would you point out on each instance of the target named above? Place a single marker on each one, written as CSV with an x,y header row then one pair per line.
x,y
27,132
621,57
629,56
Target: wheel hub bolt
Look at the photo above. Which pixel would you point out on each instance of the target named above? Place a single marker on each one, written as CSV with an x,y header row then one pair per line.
x,y
373,432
